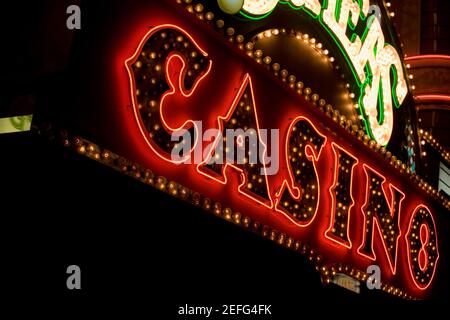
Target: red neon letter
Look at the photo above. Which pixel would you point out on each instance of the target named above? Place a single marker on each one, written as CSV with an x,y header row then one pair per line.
x,y
162,66
422,245
341,196
381,214
241,116
298,198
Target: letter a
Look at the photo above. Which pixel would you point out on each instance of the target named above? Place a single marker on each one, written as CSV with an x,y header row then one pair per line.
x,y
74,20
74,280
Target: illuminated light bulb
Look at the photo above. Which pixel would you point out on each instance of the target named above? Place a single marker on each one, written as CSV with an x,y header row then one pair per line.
x,y
230,31
313,5
392,14
298,3
257,7
230,6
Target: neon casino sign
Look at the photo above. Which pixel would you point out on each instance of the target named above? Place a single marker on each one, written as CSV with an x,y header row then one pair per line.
x,y
318,187
335,198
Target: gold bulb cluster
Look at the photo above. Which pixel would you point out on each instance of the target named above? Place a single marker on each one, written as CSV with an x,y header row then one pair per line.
x,y
290,79
303,37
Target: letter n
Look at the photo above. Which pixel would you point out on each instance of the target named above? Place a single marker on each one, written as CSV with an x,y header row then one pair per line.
x,y
382,213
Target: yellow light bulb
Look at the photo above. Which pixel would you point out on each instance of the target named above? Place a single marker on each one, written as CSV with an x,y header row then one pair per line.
x,y
230,6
